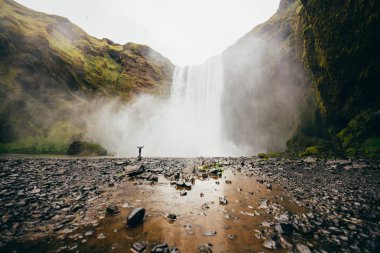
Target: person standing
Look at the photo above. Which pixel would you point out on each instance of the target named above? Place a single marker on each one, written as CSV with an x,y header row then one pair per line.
x,y
140,148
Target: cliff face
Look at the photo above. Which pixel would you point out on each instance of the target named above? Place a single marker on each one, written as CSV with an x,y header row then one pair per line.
x,y
265,85
50,69
339,45
328,53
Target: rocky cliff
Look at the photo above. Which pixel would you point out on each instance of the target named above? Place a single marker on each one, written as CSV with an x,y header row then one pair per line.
x,y
314,66
50,69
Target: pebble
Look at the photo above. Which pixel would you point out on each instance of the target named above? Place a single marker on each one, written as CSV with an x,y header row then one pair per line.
x,y
223,200
269,244
302,248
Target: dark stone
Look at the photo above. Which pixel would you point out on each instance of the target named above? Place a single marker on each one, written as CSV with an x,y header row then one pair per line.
x,y
85,148
113,210
172,217
160,248
223,200
140,246
135,217
134,170
284,228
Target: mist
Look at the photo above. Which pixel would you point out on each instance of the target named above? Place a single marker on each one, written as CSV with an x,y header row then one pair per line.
x,y
243,102
187,124
265,90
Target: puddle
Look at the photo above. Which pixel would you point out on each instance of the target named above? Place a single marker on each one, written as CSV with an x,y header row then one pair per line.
x,y
237,224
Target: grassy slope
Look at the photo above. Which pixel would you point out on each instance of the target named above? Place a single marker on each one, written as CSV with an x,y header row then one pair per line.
x,y
49,68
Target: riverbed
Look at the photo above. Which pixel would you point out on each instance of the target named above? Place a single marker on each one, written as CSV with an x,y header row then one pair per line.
x,y
245,204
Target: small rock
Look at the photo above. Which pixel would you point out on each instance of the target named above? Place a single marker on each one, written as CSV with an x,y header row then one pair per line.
x,y
171,217
210,233
205,206
188,229
223,200
134,170
266,224
310,159
269,244
284,228
160,248
205,248
112,210
231,236
88,233
140,246
101,236
302,248
175,250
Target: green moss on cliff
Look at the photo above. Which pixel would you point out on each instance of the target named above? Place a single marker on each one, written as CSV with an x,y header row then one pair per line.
x,y
55,141
50,67
338,45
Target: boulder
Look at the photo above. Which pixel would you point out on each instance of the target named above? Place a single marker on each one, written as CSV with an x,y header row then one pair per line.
x,y
135,217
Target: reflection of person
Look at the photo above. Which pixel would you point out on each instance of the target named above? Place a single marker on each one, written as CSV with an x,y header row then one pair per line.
x,y
140,148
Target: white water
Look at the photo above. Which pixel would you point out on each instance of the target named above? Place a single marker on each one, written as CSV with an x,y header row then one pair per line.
x,y
188,124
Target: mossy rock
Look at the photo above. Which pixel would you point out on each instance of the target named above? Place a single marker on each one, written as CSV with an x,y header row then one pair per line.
x,y
81,148
310,151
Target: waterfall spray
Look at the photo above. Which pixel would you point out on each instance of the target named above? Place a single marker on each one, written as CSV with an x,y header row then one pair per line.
x,y
188,124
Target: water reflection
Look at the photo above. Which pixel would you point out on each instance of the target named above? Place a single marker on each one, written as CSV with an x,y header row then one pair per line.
x,y
240,217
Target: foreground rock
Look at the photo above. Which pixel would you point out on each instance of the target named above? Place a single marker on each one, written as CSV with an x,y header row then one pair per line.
x,y
136,217
58,197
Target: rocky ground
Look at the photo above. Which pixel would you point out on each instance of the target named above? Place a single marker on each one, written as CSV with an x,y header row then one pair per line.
x,y
56,198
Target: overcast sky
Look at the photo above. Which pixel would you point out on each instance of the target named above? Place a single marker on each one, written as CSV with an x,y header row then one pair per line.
x,y
187,32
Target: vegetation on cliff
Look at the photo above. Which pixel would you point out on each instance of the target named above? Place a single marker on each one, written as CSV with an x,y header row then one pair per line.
x,y
336,45
50,69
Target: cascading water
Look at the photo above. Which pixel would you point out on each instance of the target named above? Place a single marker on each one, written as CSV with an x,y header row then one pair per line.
x,y
188,124
196,103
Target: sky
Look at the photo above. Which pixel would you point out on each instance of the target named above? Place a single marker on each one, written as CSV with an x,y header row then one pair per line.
x,y
187,32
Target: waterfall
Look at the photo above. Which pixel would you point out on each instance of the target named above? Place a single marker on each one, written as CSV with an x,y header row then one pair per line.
x,y
196,106
188,124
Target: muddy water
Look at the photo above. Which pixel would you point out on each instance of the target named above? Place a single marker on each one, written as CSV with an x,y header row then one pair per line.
x,y
242,217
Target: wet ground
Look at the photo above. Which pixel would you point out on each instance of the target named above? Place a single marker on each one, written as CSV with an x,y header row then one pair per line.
x,y
213,205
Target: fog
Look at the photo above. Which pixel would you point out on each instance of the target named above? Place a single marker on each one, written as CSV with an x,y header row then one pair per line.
x,y
187,124
265,91
187,32
242,101
245,101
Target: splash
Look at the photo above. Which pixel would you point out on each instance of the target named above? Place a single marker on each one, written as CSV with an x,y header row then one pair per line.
x,y
188,124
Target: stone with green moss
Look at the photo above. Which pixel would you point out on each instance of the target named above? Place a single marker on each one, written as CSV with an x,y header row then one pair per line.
x,y
81,148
